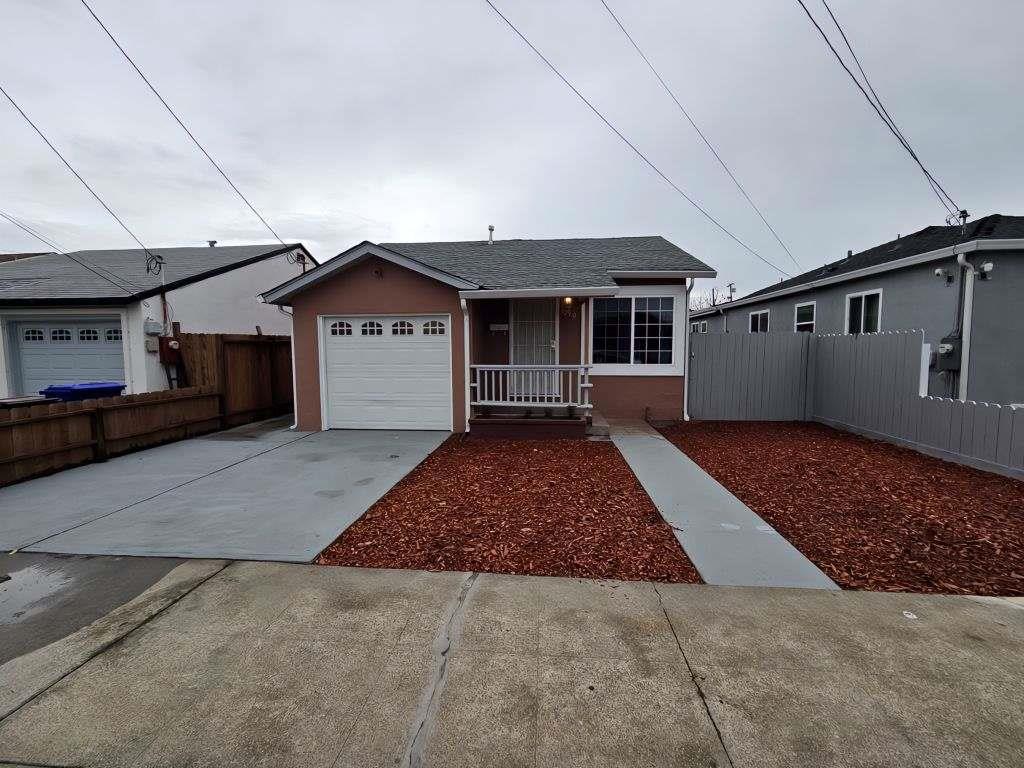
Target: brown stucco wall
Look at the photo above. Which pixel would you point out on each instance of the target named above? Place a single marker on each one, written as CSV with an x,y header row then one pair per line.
x,y
569,332
629,396
358,291
488,347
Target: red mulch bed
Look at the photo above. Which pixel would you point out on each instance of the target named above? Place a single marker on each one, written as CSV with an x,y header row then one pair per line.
x,y
540,507
870,514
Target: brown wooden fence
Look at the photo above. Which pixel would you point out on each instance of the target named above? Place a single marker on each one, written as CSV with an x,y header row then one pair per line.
x,y
234,379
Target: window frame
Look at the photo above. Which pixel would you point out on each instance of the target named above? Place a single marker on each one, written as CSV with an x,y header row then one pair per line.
x,y
680,332
862,295
108,332
53,336
344,328
435,328
402,328
26,340
371,328
768,320
83,331
814,316
703,326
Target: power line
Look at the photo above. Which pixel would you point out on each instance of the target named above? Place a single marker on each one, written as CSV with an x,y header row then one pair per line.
x,y
154,262
51,244
947,202
700,133
631,145
179,122
936,187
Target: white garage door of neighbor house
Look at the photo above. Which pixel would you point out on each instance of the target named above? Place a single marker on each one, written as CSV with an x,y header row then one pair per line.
x,y
387,372
67,351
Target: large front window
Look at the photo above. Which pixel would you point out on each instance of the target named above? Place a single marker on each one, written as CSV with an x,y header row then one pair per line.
x,y
634,330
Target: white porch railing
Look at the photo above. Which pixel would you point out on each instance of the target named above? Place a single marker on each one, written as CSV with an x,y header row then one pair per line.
x,y
549,386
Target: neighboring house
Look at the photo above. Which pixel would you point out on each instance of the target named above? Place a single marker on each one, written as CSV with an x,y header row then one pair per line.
x,y
441,335
913,282
96,315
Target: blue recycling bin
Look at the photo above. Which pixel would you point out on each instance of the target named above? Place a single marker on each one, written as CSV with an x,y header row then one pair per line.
x,y
83,390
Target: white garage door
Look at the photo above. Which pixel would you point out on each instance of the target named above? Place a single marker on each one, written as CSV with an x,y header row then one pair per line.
x,y
387,372
68,351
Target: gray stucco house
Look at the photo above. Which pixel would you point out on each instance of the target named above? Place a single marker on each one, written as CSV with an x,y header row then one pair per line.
x,y
964,287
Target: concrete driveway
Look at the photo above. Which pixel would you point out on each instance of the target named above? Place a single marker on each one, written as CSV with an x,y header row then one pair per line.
x,y
286,665
257,492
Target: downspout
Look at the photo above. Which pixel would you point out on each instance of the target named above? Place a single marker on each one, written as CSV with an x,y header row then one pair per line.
x,y
465,357
969,274
686,350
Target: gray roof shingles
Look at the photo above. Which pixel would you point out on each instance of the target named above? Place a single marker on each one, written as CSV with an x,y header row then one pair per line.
x,y
995,226
54,278
560,263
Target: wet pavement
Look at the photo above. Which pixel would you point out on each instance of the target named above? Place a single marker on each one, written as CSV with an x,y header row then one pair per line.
x,y
46,597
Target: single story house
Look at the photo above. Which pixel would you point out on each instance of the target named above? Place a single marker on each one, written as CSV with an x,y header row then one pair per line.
x,y
97,315
963,286
476,335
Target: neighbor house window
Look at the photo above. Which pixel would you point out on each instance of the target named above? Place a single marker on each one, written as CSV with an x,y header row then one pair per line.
x,y
341,328
803,317
699,326
113,334
634,330
33,334
372,328
864,312
759,321
60,334
703,326
88,334
433,328
401,328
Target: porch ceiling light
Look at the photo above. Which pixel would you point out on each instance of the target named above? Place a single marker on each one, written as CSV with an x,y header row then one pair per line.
x,y
567,300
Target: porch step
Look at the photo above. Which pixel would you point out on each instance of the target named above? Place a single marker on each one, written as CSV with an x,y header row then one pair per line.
x,y
520,427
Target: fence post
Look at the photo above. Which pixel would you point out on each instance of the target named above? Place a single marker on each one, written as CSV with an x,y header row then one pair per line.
x,y
222,379
99,433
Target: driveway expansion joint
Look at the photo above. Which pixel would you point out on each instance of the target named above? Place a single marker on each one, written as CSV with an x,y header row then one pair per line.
x,y
426,715
694,678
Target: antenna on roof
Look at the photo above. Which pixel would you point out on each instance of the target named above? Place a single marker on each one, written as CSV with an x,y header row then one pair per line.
x,y
490,234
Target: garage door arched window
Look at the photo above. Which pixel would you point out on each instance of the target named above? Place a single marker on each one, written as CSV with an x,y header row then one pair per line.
x,y
88,334
372,328
433,328
33,334
60,334
341,328
113,334
402,328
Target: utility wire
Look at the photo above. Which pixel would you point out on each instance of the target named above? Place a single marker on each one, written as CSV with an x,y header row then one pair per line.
x,y
54,246
631,145
154,262
179,122
700,133
867,81
944,198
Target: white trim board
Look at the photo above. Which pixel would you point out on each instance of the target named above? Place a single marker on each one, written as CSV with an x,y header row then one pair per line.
x,y
283,292
889,266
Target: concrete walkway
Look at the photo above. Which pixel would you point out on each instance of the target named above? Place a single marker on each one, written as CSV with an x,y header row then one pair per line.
x,y
262,492
264,664
725,540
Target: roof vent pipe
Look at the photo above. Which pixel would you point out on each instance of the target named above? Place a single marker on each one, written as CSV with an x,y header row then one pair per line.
x,y
849,253
490,234
211,243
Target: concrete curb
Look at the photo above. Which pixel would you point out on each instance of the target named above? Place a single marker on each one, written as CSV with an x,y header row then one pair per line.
x,y
25,677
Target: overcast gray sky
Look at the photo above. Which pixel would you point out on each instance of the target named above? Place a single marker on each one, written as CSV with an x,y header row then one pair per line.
x,y
400,120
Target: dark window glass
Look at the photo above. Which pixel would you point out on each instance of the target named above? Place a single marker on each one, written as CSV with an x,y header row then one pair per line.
x,y
652,330
871,307
611,330
855,314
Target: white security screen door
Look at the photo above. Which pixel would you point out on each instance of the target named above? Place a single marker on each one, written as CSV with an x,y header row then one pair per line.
x,y
534,341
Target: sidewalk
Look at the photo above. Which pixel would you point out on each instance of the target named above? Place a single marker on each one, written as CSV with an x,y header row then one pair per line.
x,y
724,539
267,664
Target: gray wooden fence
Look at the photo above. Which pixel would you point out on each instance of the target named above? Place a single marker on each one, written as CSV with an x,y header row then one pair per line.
x,y
870,384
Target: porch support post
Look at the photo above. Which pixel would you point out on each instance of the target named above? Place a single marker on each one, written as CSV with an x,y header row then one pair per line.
x,y
465,355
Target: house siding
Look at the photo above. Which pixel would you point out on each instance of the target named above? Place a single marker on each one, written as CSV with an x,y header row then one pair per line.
x,y
357,291
659,398
997,337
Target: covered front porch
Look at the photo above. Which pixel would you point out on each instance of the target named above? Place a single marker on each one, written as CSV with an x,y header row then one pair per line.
x,y
529,369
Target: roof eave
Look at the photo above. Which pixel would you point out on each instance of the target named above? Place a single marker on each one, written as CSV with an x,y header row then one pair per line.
x,y
888,266
656,274
539,293
283,293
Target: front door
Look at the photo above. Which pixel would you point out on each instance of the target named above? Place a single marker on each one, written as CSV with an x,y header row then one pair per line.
x,y
534,341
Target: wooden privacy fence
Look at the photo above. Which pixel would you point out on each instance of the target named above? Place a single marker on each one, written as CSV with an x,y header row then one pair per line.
x,y
871,384
254,373
234,379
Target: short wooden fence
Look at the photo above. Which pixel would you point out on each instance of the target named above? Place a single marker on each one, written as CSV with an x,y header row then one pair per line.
x,y
234,379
